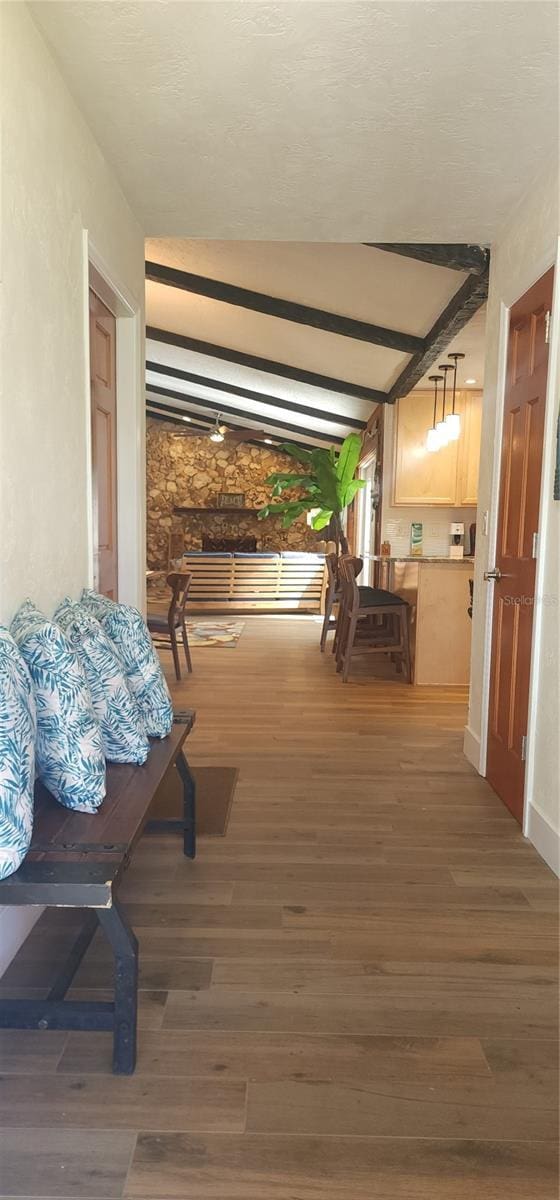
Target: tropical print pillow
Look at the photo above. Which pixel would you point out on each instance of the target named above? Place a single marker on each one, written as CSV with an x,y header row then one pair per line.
x,y
129,634
17,756
70,759
122,732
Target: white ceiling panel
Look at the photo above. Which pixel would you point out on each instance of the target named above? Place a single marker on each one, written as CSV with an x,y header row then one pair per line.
x,y
284,341
248,377
353,281
227,402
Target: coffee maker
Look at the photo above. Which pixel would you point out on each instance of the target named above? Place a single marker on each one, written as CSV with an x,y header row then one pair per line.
x,y
457,536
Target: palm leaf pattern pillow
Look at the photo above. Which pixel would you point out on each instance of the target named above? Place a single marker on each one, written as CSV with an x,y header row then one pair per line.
x,y
128,631
17,756
122,732
70,759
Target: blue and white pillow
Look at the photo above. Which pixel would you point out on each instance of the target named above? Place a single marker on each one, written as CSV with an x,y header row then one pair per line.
x,y
128,632
70,759
122,732
17,756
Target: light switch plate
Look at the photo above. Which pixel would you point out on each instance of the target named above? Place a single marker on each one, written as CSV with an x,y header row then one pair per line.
x,y
485,523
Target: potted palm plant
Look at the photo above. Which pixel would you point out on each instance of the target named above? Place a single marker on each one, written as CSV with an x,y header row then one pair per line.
x,y
325,484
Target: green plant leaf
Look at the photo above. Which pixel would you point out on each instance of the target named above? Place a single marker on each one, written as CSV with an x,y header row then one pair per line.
x,y
351,490
348,458
326,480
321,518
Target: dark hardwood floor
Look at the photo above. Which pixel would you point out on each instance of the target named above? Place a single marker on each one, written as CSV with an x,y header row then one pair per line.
x,y
352,996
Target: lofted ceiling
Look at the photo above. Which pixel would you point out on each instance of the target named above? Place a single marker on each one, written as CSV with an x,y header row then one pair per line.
x,y
275,372
333,120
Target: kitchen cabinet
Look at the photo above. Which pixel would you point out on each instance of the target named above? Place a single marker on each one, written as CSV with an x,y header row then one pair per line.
x,y
448,477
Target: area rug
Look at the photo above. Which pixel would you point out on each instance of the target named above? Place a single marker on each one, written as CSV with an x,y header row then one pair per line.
x,y
214,633
215,789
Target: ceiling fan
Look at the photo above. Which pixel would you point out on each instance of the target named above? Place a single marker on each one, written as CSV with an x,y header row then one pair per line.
x,y
218,432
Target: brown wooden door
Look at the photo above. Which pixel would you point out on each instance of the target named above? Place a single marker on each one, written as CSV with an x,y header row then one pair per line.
x,y
518,516
103,359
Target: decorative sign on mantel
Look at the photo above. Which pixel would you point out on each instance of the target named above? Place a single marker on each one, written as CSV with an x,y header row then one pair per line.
x,y
230,500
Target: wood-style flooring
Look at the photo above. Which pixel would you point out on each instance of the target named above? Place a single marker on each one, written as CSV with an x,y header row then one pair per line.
x,y
349,997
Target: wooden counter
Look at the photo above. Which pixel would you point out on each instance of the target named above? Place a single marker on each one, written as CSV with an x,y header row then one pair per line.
x,y
438,591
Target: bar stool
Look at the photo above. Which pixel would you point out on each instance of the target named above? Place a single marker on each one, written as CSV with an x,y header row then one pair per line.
x,y
332,597
385,616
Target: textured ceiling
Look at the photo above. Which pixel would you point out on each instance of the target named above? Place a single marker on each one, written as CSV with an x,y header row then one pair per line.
x,y
349,121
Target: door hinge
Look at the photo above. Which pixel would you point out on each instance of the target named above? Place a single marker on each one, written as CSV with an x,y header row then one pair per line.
x,y
535,549
547,327
524,747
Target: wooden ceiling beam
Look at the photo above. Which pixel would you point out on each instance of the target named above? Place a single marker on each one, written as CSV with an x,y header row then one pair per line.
x,y
285,310
462,306
263,398
455,256
268,365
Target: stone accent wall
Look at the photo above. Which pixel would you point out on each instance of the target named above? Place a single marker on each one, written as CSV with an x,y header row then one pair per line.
x,y
191,471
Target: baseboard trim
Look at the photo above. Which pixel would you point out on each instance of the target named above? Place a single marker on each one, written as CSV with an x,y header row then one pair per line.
x,y
545,839
471,748
15,924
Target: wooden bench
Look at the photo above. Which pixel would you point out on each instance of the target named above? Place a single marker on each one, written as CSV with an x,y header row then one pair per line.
x,y
77,860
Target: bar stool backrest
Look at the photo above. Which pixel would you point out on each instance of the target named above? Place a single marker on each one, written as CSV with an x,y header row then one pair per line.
x,y
179,582
331,561
349,569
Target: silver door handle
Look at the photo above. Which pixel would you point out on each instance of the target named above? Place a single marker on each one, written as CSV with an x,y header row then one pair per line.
x,y
495,574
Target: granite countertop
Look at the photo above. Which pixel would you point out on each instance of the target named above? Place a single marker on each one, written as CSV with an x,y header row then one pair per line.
x,y
418,558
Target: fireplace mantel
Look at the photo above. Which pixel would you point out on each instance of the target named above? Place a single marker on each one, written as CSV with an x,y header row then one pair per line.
x,y
181,510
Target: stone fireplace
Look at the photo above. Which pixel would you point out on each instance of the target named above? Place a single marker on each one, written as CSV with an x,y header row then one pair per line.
x,y
192,471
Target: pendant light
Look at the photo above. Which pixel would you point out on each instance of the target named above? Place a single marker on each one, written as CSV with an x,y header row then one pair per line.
x,y
432,439
453,420
441,427
444,427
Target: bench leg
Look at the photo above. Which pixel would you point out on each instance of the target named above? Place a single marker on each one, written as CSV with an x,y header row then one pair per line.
x,y
189,806
125,950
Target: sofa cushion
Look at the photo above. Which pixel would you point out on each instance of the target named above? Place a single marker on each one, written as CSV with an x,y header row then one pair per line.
x,y
122,731
17,756
69,750
129,634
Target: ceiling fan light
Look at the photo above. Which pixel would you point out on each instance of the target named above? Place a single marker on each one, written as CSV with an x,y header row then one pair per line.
x,y
216,436
432,440
453,425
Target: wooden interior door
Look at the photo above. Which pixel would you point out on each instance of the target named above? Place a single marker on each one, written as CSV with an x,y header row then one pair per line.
x,y
103,362
518,516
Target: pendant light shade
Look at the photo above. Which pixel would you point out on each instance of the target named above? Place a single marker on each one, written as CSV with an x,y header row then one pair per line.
x,y
453,423
433,439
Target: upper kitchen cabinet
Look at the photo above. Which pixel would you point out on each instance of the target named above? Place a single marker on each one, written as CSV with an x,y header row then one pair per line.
x,y
470,408
448,477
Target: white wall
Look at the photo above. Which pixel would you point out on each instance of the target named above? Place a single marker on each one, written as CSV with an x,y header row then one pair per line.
x,y
527,247
55,184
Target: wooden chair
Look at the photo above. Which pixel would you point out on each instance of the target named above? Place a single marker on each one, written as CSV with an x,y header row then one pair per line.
x,y
332,597
167,626
371,620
